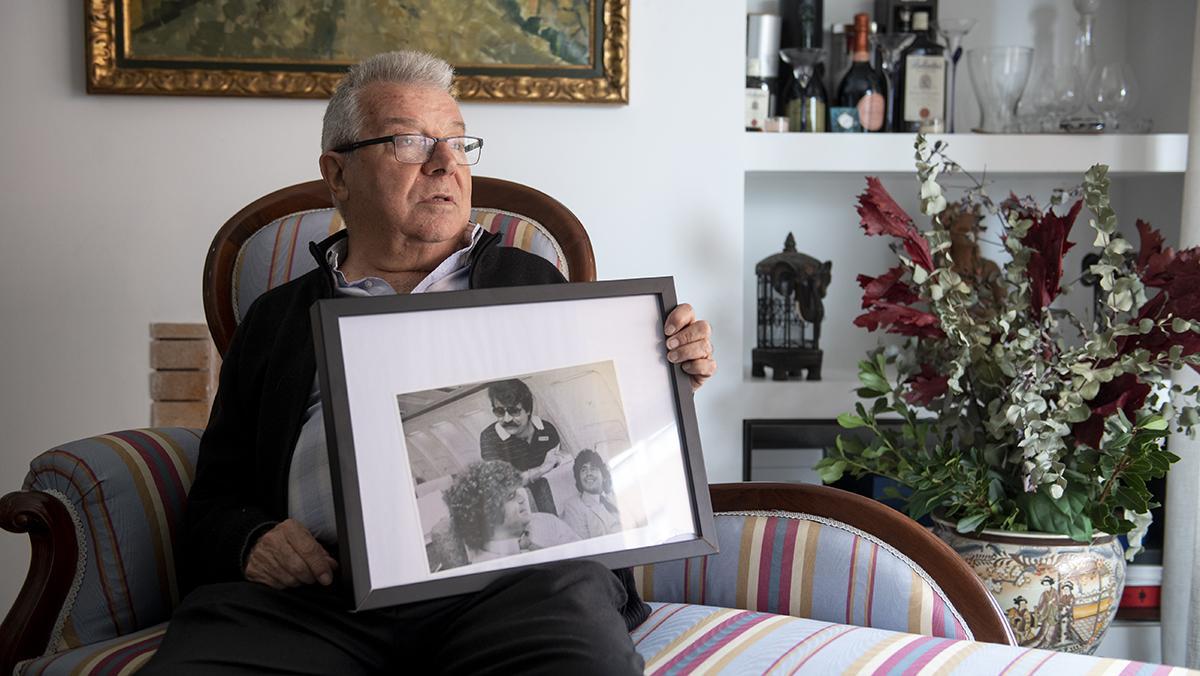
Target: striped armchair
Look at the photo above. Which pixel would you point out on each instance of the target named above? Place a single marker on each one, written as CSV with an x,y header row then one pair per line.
x,y
104,514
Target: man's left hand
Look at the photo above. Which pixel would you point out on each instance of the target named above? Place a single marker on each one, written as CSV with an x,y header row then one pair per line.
x,y
689,344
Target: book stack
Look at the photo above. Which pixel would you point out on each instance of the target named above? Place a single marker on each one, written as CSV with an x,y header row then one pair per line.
x,y
185,366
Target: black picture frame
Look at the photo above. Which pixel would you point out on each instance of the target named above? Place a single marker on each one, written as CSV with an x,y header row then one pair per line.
x,y
342,325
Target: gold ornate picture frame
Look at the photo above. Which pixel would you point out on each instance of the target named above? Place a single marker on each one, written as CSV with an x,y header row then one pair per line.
x,y
502,50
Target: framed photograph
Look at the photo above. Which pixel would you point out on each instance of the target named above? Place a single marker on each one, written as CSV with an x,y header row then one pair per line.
x,y
502,50
474,432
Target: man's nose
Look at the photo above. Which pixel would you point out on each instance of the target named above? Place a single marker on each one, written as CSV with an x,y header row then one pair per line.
x,y
441,161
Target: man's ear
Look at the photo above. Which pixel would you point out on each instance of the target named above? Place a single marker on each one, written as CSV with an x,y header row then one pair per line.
x,y
333,171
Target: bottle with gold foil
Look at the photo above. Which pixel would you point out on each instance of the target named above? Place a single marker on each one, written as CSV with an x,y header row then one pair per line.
x,y
861,102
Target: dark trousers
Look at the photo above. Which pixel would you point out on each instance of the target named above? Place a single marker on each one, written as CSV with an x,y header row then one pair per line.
x,y
558,619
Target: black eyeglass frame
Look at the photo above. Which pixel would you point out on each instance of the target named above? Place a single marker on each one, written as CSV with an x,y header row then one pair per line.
x,y
351,147
500,410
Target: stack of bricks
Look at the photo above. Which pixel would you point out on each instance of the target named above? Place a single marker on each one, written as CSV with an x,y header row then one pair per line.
x,y
185,366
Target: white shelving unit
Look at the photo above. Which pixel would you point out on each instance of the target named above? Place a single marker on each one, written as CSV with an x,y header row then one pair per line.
x,y
998,154
806,184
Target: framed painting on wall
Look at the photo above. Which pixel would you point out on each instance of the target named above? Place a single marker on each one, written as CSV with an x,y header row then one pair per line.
x,y
472,433
501,50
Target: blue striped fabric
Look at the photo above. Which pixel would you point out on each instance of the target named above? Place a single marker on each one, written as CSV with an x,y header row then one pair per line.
x,y
797,565
278,252
127,491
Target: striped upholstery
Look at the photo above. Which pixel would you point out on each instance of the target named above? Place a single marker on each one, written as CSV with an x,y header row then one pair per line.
x,y
278,252
118,656
807,566
684,639
126,492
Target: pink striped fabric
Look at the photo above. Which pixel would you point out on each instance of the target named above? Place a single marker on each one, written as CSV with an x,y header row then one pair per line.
x,y
278,252
797,565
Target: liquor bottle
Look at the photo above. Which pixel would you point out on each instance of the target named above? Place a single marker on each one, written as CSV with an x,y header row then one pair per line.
x,y
862,96
802,27
807,102
762,57
921,81
759,97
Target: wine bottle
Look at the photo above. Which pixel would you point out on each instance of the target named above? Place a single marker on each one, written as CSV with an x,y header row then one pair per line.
x,y
921,81
862,95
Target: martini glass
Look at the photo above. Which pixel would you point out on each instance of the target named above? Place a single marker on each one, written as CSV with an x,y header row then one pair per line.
x,y
953,31
890,45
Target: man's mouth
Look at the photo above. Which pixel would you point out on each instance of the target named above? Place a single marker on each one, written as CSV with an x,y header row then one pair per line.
x,y
439,199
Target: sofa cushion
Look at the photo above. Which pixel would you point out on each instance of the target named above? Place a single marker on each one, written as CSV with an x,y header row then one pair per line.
x,y
683,639
122,655
807,566
278,252
126,493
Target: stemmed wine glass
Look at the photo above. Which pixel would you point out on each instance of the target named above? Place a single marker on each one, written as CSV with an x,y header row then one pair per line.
x,y
1111,92
953,31
890,45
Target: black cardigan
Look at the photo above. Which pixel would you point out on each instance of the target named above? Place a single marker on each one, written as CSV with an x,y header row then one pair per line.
x,y
241,484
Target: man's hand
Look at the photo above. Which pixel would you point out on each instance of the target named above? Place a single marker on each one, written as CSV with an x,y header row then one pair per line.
x,y
289,556
689,344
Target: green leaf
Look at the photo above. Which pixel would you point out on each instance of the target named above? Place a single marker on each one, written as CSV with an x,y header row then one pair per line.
x,y
874,382
1155,422
850,421
832,472
968,524
1179,325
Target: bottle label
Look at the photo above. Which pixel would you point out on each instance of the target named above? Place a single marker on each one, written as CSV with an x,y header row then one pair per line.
x,y
758,107
924,88
871,110
844,119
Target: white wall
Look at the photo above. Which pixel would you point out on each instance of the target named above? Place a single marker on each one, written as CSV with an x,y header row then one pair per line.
x,y
108,204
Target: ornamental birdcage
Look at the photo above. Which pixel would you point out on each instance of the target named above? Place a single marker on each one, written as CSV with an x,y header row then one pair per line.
x,y
791,292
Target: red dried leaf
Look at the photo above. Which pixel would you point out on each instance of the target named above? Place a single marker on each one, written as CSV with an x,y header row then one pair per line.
x,y
1048,239
887,287
1123,393
925,386
900,319
881,215
1152,260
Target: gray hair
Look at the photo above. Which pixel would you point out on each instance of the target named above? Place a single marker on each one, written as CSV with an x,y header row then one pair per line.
x,y
344,119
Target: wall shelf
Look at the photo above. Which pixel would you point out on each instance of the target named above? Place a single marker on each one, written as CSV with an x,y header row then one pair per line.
x,y
997,153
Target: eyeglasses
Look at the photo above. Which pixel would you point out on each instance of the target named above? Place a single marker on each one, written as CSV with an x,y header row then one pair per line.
x,y
513,411
418,148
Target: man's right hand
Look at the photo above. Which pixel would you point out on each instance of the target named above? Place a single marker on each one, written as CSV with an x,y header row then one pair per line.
x,y
289,556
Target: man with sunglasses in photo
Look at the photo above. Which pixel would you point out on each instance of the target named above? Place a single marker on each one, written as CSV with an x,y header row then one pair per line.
x,y
260,532
523,439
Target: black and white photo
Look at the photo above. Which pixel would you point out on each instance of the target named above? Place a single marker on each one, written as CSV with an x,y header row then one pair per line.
x,y
476,432
520,464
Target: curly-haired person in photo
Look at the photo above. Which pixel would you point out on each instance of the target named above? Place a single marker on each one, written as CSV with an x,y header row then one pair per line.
x,y
491,513
593,511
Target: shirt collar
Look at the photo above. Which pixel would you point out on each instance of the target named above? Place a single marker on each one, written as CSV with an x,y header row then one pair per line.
x,y
374,286
504,435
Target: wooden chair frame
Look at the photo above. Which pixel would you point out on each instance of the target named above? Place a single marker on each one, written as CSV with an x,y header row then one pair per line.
x,y
486,193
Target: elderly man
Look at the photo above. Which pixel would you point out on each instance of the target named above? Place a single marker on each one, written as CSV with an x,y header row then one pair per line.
x,y
395,155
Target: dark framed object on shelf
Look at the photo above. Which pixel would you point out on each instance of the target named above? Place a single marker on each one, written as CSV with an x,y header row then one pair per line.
x,y
463,428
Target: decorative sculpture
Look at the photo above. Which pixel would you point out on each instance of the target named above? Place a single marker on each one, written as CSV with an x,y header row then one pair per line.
x,y
791,289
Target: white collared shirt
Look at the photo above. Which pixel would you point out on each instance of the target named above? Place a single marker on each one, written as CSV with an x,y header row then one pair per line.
x,y
310,486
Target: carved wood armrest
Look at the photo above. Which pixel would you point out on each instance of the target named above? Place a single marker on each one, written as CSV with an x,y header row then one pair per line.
x,y
55,552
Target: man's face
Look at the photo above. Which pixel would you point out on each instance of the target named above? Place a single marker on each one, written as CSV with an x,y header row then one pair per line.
x,y
512,417
516,512
591,477
428,202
